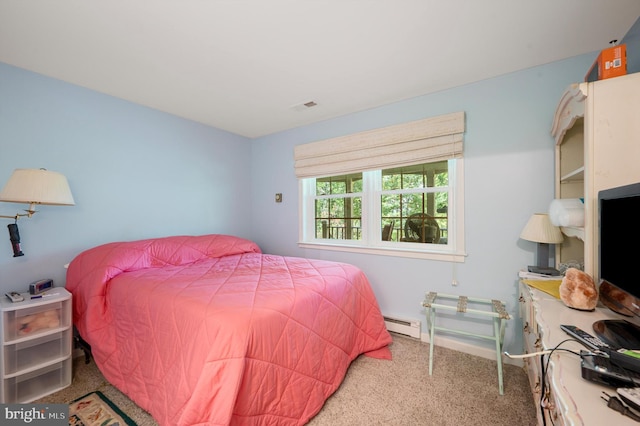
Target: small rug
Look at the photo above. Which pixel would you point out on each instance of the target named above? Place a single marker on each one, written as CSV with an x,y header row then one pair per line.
x,y
95,409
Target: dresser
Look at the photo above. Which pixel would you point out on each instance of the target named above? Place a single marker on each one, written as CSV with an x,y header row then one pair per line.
x,y
568,398
36,336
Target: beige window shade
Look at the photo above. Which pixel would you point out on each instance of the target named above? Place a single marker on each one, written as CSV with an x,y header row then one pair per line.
x,y
427,140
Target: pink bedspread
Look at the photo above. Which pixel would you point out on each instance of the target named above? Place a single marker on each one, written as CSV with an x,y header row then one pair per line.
x,y
209,331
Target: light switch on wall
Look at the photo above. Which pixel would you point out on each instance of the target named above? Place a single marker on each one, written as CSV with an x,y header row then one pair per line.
x,y
279,197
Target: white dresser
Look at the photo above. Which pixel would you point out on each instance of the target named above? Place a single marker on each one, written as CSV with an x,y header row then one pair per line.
x,y
569,399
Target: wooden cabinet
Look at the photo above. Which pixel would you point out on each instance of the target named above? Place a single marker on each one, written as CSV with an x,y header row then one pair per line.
x,y
597,134
36,339
561,395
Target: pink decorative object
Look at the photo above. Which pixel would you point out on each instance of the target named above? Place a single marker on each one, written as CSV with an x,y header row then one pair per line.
x,y
578,290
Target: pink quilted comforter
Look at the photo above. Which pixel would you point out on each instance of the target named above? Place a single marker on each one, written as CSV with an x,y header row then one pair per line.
x,y
208,330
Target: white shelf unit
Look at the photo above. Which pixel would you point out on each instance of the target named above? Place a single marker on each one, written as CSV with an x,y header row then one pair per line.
x,y
36,346
597,134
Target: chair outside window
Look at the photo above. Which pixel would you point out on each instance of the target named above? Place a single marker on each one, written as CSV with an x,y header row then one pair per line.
x,y
387,231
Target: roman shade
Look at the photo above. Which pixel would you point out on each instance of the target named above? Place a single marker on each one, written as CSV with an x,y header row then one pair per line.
x,y
427,140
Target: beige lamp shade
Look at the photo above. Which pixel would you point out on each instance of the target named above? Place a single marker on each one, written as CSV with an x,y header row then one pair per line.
x,y
37,186
539,229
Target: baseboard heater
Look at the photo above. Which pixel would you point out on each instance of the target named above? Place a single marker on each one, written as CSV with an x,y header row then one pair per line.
x,y
406,327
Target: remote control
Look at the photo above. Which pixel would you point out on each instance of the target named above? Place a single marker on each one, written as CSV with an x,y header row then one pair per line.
x,y
585,338
631,396
14,296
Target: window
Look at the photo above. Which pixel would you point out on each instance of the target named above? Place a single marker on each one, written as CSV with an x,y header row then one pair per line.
x,y
400,210
414,203
338,207
403,207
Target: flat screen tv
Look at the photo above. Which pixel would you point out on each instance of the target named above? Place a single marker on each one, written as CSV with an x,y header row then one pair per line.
x,y
618,260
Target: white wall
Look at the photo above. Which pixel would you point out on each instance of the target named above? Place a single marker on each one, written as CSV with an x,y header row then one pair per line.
x,y
134,173
509,170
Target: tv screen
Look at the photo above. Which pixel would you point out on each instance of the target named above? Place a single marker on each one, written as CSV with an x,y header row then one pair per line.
x,y
619,229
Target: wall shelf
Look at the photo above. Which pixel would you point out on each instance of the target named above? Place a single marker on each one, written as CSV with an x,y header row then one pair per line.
x,y
592,127
576,175
573,231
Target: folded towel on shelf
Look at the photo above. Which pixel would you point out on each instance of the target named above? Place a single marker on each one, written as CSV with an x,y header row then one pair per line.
x,y
567,212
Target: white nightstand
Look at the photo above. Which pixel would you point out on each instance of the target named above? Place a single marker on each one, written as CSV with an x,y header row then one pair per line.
x,y
36,337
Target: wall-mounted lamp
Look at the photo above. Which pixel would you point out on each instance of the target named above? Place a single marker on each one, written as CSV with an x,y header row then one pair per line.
x,y
33,186
539,229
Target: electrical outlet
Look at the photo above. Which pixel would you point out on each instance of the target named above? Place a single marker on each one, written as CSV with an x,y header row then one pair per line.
x,y
279,197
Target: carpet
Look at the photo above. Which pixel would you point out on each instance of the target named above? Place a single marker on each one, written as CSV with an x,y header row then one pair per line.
x,y
95,409
463,390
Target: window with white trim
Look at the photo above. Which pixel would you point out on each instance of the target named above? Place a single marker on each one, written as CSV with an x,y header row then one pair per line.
x,y
396,190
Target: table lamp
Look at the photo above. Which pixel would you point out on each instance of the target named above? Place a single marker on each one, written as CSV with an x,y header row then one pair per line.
x,y
540,230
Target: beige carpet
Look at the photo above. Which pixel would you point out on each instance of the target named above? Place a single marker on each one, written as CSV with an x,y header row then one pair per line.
x,y
462,391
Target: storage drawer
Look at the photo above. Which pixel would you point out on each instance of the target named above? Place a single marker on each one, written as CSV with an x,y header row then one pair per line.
x,y
33,385
40,350
36,320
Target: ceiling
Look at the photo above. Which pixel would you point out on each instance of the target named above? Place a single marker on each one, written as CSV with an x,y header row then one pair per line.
x,y
249,66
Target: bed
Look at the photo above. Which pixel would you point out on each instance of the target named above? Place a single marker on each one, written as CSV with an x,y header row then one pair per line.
x,y
208,330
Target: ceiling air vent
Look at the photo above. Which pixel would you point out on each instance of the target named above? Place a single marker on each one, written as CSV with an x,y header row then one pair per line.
x,y
304,106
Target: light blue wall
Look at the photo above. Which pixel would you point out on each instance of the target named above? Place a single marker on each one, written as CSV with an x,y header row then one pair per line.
x,y
134,173
509,172
139,173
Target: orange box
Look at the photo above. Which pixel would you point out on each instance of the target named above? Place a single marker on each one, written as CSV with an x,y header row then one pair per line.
x,y
611,62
